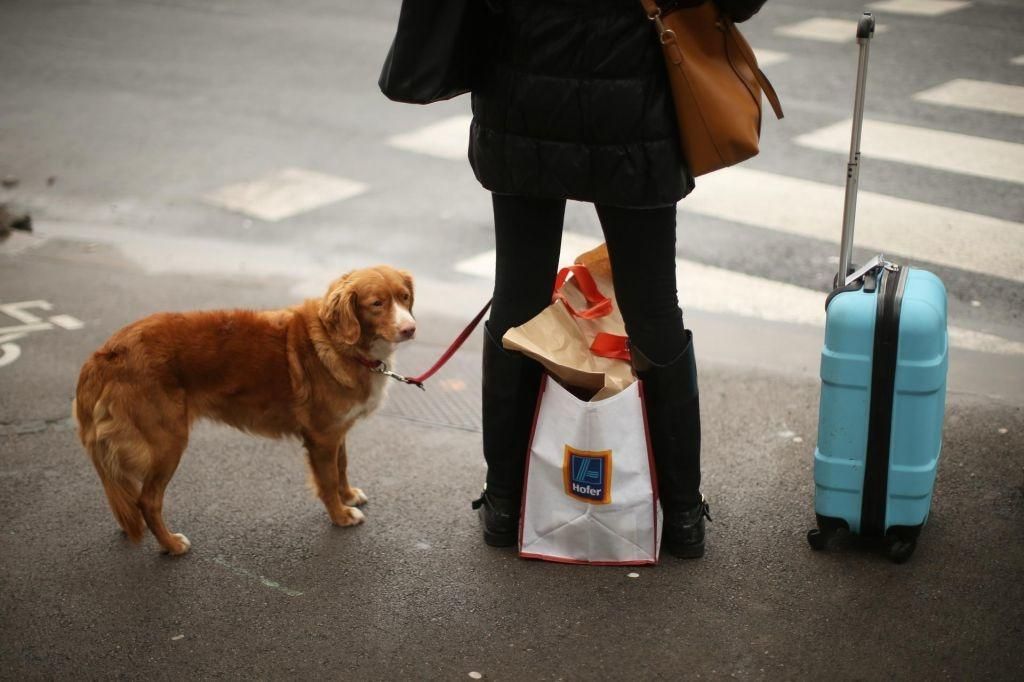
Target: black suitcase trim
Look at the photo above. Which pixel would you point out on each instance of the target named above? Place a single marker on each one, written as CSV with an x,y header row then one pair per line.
x,y
883,382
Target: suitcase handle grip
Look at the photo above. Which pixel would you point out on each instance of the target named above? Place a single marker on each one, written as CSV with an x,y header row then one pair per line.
x,y
866,26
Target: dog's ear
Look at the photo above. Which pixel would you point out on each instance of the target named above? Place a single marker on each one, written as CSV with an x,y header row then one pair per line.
x,y
338,310
407,280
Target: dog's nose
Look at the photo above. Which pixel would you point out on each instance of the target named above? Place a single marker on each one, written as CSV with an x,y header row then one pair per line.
x,y
407,330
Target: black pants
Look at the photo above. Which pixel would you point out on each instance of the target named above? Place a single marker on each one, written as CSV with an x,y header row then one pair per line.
x,y
641,244
642,247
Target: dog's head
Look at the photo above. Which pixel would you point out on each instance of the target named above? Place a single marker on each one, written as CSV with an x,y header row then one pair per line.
x,y
370,307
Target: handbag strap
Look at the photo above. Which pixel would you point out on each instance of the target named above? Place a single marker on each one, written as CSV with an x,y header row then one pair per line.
x,y
599,304
751,59
667,35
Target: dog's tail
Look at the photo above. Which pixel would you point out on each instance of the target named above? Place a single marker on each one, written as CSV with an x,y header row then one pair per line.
x,y
96,427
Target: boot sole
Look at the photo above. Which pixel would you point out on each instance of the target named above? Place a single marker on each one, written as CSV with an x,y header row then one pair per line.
x,y
695,551
499,539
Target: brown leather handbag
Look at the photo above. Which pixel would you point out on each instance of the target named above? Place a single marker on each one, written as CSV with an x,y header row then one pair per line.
x,y
716,85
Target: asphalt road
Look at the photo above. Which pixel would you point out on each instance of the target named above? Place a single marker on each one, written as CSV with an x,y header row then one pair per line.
x,y
140,110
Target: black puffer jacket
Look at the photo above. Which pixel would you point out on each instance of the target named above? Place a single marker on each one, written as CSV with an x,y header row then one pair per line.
x,y
574,102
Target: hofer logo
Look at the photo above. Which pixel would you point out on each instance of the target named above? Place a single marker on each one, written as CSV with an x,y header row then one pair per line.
x,y
588,475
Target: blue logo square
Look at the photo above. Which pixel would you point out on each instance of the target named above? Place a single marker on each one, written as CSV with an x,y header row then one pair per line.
x,y
587,479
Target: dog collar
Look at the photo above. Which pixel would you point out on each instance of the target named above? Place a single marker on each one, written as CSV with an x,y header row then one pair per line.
x,y
380,367
370,364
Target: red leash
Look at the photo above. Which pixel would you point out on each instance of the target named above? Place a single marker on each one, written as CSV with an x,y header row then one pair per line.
x,y
606,345
380,367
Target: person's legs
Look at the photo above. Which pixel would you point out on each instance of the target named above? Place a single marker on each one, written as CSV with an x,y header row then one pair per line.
x,y
642,247
528,236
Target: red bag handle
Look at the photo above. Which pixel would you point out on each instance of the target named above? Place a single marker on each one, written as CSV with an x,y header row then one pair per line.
x,y
611,346
600,305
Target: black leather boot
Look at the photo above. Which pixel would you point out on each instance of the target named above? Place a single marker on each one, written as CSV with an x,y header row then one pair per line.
x,y
500,519
682,534
672,403
511,382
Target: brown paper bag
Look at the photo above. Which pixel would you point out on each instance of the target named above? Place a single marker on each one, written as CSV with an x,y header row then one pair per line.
x,y
561,341
599,264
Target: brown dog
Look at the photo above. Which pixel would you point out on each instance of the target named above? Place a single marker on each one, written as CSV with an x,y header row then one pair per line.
x,y
304,371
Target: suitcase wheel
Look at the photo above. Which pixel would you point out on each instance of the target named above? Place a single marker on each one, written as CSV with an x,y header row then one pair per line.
x,y
817,539
900,550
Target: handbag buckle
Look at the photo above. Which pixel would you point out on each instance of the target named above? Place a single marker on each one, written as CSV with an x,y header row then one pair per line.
x,y
666,35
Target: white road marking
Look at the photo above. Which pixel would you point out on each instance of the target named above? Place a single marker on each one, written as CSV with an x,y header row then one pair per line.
x,y
10,353
716,290
284,194
712,289
981,95
947,236
951,152
442,297
968,339
1018,60
769,57
67,322
22,329
824,29
924,8
446,139
19,310
573,244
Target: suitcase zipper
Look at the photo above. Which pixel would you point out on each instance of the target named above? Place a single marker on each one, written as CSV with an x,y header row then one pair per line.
x,y
883,382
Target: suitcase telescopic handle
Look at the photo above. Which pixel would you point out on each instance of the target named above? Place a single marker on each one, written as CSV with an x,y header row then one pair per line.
x,y
865,31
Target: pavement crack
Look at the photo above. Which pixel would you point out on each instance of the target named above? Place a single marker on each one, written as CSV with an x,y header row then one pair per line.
x,y
24,427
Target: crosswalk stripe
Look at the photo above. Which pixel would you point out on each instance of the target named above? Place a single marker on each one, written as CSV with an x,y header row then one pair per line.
x,y
701,286
769,57
824,29
573,244
926,8
446,139
952,152
981,95
1018,60
717,290
284,194
892,225
968,339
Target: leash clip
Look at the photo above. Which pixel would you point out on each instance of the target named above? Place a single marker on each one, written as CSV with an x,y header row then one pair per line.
x,y
382,368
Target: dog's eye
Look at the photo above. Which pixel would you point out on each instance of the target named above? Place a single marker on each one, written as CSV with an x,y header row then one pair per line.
x,y
405,297
378,304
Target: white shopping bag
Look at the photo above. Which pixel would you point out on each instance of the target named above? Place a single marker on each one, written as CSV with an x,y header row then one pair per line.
x,y
590,495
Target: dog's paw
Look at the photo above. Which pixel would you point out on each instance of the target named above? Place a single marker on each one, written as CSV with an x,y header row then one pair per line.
x,y
355,497
350,516
180,545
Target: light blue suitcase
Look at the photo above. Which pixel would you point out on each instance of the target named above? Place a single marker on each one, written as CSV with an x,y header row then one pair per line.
x,y
883,386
